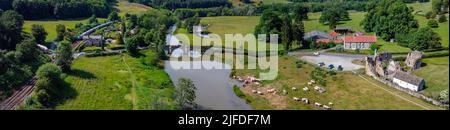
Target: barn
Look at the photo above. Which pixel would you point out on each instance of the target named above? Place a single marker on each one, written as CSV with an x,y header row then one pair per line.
x,y
408,81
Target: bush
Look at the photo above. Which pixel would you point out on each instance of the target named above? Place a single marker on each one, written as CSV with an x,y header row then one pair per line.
x,y
48,84
436,54
442,19
433,24
238,92
101,53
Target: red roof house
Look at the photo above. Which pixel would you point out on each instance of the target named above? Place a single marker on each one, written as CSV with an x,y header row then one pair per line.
x,y
359,42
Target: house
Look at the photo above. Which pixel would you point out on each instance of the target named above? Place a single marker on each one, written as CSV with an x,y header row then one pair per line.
x,y
408,81
93,40
314,35
343,29
359,42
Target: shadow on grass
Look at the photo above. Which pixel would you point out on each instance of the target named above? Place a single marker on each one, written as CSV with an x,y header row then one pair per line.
x,y
82,74
64,93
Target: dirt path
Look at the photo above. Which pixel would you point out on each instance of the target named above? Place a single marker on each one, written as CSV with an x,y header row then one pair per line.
x,y
133,82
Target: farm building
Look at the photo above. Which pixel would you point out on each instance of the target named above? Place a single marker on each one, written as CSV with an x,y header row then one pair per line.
x,y
93,40
408,81
314,35
343,29
359,42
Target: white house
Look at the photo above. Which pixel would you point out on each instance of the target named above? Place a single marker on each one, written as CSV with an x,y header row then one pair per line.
x,y
408,81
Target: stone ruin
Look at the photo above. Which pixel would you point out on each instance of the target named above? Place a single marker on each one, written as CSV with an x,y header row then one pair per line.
x,y
413,60
376,66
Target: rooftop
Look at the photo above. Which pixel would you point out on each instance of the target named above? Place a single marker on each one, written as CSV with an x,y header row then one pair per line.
x,y
409,78
364,39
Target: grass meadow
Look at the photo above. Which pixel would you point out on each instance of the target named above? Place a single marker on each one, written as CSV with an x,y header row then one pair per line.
x,y
119,82
435,73
347,91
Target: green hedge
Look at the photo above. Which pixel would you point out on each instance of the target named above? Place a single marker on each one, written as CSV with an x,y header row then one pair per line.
x,y
100,53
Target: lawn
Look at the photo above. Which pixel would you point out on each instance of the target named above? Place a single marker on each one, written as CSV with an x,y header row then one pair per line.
x,y
420,8
223,25
313,22
348,91
119,82
123,6
442,30
435,74
50,25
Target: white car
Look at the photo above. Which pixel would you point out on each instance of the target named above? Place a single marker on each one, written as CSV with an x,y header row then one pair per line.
x,y
316,53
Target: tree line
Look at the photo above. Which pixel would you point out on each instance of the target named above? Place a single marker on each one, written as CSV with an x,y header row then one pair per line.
x,y
247,10
287,22
175,4
59,9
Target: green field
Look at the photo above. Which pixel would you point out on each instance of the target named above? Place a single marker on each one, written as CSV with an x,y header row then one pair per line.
x,y
442,30
223,25
348,91
50,25
435,74
124,7
420,8
313,22
118,82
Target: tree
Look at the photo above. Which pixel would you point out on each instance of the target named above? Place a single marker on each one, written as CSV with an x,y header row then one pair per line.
x,y
442,19
113,16
429,14
191,22
133,21
30,54
11,24
60,32
374,47
319,75
298,32
332,15
433,23
93,19
437,6
131,45
39,33
422,39
270,23
185,94
48,84
286,33
388,18
64,55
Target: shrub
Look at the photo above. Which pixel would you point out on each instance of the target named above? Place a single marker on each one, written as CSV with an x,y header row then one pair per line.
x,y
433,24
101,53
238,92
436,54
442,19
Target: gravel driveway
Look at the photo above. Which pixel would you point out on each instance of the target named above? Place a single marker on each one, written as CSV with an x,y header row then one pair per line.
x,y
336,60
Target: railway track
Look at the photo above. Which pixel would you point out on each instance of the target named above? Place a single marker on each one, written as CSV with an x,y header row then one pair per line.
x,y
19,95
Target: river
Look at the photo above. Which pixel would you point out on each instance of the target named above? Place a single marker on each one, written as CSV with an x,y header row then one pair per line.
x,y
214,87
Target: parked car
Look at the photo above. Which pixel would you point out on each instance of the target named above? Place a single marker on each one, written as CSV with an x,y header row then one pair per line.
x,y
316,53
321,64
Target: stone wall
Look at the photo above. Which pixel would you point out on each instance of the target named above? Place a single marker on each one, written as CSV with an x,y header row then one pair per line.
x,y
412,93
